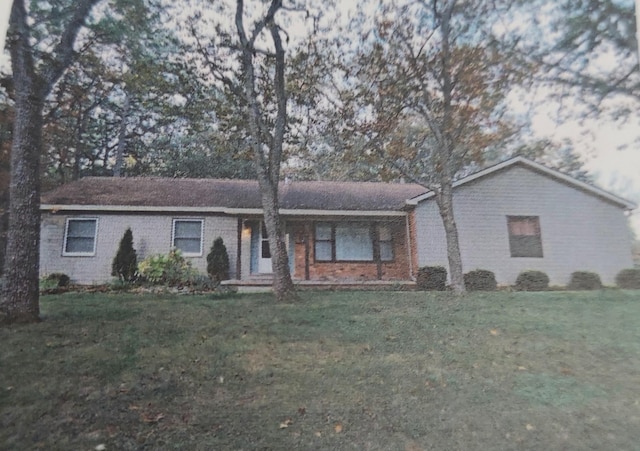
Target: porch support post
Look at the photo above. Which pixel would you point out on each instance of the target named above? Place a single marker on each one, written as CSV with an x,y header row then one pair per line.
x,y
376,250
307,250
239,250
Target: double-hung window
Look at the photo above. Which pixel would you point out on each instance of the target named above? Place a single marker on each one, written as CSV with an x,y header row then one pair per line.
x,y
525,239
80,237
352,242
187,236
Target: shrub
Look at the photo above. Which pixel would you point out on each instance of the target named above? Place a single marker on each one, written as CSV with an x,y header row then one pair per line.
x,y
204,283
60,279
532,281
480,280
125,263
171,270
629,278
432,278
583,280
218,261
56,282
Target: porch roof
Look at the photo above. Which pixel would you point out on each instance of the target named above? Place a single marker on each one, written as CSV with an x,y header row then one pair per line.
x,y
157,194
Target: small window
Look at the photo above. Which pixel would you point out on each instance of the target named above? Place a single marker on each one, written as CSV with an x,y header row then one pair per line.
x,y
265,251
525,239
386,243
80,237
187,236
324,242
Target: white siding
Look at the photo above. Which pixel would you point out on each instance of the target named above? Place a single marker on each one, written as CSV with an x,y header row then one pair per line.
x,y
151,235
579,231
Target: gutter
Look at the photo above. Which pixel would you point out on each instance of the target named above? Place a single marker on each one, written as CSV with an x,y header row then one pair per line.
x,y
55,208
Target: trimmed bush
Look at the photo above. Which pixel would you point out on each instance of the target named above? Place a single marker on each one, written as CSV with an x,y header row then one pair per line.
x,y
432,278
532,281
584,280
125,263
480,280
218,261
629,279
171,270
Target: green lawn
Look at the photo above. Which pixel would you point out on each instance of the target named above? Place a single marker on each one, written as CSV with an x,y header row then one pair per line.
x,y
348,370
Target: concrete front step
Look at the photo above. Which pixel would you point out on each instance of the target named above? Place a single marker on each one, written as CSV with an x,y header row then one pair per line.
x,y
264,282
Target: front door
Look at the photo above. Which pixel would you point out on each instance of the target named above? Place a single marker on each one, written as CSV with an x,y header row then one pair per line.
x,y
264,253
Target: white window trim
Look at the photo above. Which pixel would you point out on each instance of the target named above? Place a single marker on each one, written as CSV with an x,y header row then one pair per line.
x,y
173,236
66,232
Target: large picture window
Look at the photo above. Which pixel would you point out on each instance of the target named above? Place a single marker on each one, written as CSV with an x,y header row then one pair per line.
x,y
80,237
525,239
187,236
352,241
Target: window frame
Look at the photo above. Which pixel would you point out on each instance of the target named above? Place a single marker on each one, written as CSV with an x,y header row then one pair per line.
x,y
173,236
66,253
374,235
389,241
515,250
331,241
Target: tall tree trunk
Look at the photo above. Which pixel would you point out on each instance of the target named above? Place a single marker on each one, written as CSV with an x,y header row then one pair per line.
x,y
20,301
282,283
267,155
444,199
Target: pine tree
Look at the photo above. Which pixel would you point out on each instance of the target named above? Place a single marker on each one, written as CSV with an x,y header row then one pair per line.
x,y
125,263
218,261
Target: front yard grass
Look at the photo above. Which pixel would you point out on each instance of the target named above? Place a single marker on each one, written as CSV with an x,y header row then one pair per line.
x,y
346,370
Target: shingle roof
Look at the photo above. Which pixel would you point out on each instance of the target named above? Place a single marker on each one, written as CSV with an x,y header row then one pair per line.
x,y
243,194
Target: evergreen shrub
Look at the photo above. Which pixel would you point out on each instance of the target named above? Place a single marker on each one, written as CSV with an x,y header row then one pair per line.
x,y
532,281
480,280
584,280
629,279
218,261
125,263
432,278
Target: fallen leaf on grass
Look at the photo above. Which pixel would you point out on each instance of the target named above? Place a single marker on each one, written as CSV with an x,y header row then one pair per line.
x,y
494,332
338,428
318,434
286,423
522,368
147,418
530,427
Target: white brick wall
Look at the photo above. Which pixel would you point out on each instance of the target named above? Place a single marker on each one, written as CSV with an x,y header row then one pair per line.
x,y
579,231
151,235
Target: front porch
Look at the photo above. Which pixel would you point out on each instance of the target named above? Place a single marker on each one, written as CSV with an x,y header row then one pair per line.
x,y
330,251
